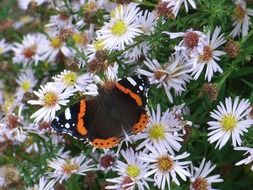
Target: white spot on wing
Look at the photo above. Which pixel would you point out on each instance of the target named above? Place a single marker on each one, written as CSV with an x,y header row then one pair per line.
x,y
67,114
132,81
141,87
67,125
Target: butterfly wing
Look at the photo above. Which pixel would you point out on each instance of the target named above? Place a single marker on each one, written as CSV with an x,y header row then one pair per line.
x,y
71,121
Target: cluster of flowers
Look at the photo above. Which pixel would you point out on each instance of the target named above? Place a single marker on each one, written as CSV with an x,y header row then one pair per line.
x,y
97,40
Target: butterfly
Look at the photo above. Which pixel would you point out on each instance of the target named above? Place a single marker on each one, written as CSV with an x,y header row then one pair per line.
x,y
118,108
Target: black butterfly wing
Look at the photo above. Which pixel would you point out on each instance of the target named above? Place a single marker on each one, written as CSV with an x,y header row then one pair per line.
x,y
102,123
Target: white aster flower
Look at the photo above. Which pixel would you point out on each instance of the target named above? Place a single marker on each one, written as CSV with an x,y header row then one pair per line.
x,y
24,4
230,121
160,131
209,56
51,97
165,167
65,168
43,185
4,46
26,81
200,178
172,75
121,29
72,81
147,21
249,159
192,44
176,4
131,167
54,46
31,49
241,19
11,129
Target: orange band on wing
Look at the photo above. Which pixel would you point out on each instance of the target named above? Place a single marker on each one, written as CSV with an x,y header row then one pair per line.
x,y
127,91
105,143
138,127
80,124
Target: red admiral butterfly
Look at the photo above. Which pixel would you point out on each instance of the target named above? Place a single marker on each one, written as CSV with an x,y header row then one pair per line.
x,y
119,107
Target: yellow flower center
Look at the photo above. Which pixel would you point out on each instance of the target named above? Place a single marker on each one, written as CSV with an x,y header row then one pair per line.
x,y
1,50
26,85
80,38
200,184
207,54
98,45
119,28
133,171
50,99
228,122
69,168
70,78
157,132
165,163
239,13
56,42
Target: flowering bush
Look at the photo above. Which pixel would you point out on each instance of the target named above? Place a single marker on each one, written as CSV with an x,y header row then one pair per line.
x,y
73,70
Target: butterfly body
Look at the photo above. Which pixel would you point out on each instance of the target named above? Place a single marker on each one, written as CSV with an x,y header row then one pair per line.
x,y
118,108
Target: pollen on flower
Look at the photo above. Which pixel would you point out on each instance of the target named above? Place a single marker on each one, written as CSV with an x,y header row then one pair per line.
x,y
26,85
165,163
191,39
207,54
50,99
228,122
69,168
157,132
70,78
119,28
239,13
133,171
56,42
29,52
200,184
